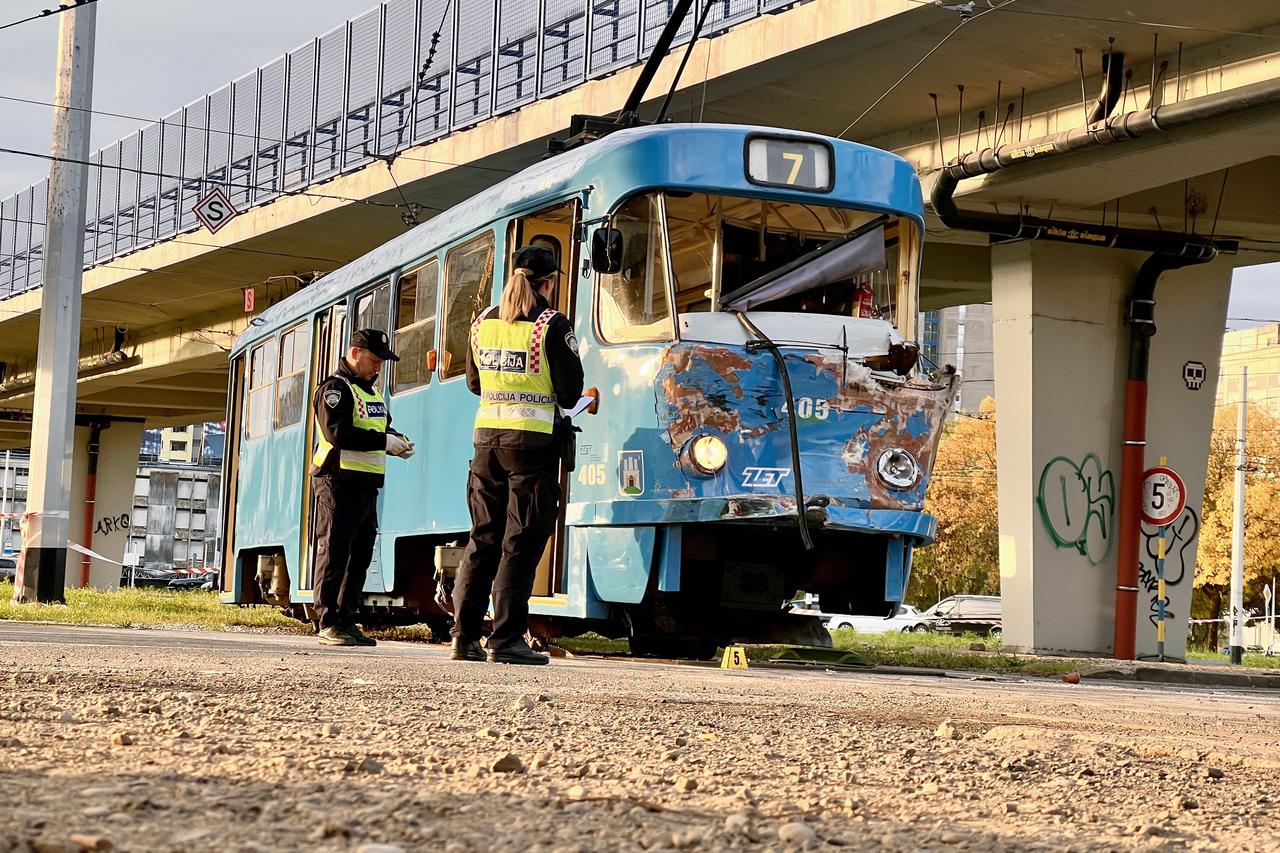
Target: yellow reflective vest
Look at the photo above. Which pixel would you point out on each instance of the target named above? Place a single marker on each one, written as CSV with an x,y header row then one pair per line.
x,y
516,392
370,413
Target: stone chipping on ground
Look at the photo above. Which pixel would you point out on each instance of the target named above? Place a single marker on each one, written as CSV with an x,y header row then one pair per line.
x,y
153,748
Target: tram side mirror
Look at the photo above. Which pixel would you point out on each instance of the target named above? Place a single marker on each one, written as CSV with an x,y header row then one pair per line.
x,y
432,359
606,250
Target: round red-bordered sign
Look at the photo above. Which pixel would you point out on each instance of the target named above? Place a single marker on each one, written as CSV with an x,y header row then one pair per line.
x,y
1164,495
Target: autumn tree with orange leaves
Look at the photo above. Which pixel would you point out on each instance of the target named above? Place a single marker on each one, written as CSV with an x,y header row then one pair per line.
x,y
1211,594
965,558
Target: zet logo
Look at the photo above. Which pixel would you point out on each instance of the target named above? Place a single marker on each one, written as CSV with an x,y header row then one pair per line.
x,y
764,478
631,472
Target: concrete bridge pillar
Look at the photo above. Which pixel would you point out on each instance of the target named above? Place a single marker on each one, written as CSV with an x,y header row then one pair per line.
x,y
111,513
1061,344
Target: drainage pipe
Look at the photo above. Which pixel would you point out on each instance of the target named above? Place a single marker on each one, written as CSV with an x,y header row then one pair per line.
x,y
90,498
1142,327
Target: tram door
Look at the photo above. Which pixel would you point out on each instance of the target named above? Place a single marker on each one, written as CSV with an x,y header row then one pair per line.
x,y
327,346
553,228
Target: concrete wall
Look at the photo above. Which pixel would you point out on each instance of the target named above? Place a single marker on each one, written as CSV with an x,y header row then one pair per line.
x,y
113,508
1059,331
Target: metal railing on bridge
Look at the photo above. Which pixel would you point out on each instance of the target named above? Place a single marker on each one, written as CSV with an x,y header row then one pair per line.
x,y
361,91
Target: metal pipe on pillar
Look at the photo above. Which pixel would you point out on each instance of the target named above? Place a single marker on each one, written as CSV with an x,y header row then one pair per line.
x,y
1142,328
90,498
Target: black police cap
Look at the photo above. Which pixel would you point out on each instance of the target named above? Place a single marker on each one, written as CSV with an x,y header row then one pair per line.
x,y
539,260
375,341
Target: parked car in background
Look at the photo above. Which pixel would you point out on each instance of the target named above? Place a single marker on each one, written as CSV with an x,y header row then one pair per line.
x,y
904,618
8,568
959,614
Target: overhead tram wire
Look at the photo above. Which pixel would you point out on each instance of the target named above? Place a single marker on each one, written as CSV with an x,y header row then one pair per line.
x,y
920,62
203,180
182,242
47,13
242,135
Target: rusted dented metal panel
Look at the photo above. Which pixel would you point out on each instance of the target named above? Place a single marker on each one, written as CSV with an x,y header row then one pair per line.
x,y
847,416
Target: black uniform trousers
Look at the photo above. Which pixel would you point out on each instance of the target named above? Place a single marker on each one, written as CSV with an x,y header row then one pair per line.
x,y
346,525
514,498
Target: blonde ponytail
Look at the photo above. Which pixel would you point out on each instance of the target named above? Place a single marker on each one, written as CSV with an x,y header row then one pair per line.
x,y
518,297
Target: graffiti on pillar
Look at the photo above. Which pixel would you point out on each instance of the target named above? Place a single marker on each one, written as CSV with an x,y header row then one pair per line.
x,y
112,524
1076,502
1179,558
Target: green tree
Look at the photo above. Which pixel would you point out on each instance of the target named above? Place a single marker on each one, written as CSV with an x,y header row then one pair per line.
x,y
962,496
1211,593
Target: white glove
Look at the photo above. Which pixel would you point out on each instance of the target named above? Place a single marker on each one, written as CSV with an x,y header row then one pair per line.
x,y
396,446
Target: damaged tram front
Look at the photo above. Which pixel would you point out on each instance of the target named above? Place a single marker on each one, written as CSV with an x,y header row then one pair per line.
x,y
768,426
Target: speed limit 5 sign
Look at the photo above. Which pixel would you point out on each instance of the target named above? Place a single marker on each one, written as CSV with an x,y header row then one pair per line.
x,y
1164,496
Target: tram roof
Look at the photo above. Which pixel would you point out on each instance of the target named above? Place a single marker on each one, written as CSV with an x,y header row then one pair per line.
x,y
666,155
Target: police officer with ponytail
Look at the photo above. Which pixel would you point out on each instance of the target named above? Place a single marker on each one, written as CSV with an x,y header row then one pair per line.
x,y
354,438
522,363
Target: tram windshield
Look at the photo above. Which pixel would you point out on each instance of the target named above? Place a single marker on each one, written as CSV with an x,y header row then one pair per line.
x,y
712,252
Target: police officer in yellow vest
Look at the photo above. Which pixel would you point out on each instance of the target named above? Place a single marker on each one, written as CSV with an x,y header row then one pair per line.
x,y
354,434
522,362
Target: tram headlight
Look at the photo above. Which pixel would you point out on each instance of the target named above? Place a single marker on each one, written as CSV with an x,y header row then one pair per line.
x,y
708,454
898,469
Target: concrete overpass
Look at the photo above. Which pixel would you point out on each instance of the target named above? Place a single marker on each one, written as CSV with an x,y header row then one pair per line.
x,y
315,197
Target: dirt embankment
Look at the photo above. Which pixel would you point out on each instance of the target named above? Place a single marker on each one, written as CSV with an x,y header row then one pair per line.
x,y
289,747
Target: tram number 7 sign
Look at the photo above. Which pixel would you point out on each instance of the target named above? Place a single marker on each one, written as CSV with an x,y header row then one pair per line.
x,y
1164,496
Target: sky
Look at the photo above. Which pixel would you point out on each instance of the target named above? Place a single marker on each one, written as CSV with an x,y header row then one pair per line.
x,y
154,56
151,57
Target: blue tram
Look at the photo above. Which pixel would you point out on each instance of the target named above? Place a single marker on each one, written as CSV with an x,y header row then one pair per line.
x,y
745,302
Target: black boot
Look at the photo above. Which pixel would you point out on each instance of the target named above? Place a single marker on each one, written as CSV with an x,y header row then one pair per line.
x,y
466,650
517,652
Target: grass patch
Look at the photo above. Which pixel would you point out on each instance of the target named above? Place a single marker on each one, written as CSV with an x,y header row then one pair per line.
x,y
929,651
147,608
1251,659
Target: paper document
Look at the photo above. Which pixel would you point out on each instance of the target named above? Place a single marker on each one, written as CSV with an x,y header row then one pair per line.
x,y
580,406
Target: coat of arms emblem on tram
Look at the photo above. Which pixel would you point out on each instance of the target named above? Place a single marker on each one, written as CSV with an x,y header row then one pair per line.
x,y
631,472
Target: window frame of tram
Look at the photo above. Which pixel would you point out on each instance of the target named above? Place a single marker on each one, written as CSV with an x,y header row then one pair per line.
x,y
260,396
456,336
887,282
291,383
415,341
373,316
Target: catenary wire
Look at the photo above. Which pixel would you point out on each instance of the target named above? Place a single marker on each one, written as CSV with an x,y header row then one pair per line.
x,y
46,13
920,62
234,133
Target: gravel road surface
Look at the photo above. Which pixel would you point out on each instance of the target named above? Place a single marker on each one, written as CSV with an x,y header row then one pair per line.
x,y
162,740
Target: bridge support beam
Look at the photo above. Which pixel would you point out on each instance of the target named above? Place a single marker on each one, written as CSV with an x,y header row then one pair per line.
x,y
105,511
1061,344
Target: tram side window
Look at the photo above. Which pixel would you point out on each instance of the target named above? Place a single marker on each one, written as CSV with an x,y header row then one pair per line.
x,y
415,335
262,374
468,290
634,304
290,387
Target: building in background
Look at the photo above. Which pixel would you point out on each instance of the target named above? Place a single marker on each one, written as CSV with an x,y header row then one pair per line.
x,y
175,503
175,516
1257,348
14,468
199,444
961,335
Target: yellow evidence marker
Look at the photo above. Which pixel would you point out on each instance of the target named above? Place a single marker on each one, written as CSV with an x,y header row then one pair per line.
x,y
735,657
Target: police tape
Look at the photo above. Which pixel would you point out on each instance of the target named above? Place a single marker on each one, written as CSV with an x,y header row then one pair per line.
x,y
1227,620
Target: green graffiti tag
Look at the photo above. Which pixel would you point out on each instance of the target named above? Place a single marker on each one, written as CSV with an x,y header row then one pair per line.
x,y
1076,505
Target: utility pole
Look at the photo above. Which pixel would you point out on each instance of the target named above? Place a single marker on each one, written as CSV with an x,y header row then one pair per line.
x,y
44,549
1237,532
